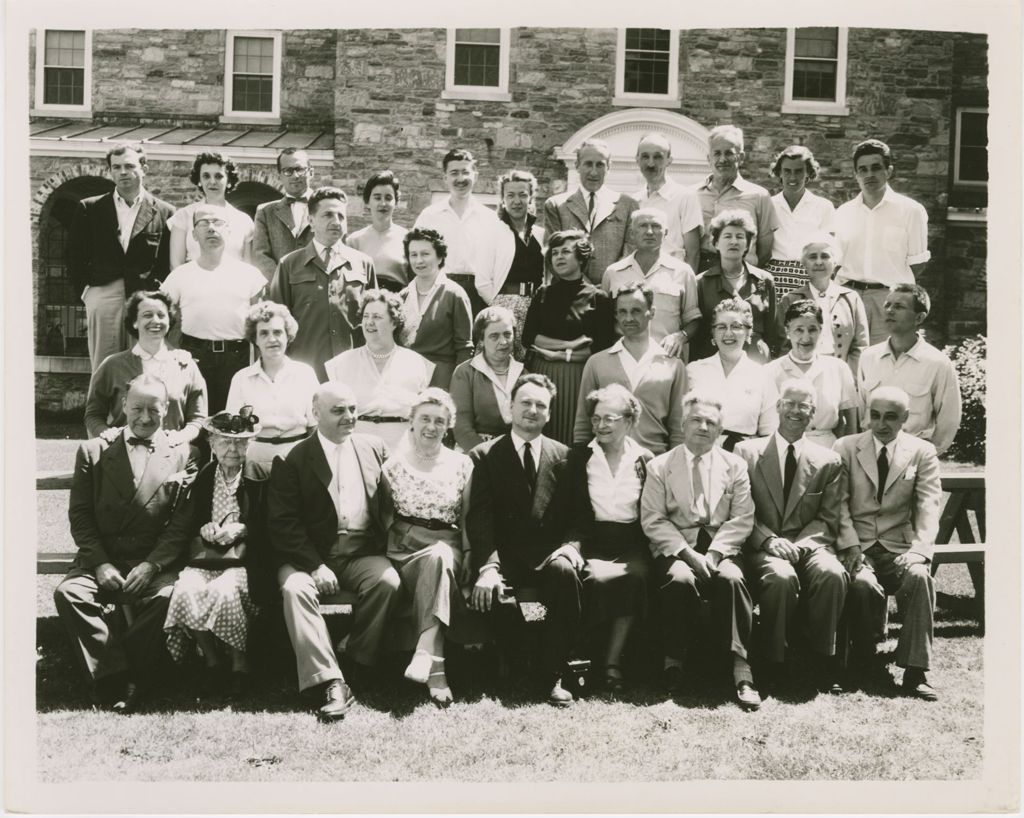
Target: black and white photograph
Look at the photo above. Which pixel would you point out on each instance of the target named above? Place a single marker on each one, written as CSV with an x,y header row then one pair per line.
x,y
619,411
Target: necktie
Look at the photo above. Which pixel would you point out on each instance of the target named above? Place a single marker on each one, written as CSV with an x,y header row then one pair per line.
x,y
141,441
789,474
883,472
590,207
529,467
700,500
328,252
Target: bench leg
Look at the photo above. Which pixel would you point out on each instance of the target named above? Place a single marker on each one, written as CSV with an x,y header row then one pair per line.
x,y
977,570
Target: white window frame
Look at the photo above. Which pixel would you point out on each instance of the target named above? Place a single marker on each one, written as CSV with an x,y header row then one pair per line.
x,y
957,181
71,111
273,116
483,93
836,107
667,100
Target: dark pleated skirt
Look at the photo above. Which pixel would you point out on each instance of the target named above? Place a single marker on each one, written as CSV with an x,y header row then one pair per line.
x,y
615,575
566,377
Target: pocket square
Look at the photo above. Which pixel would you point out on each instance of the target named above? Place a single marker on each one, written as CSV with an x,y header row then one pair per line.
x,y
911,473
180,477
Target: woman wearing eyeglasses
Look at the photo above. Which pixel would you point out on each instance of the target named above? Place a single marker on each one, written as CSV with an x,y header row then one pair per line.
x,y
835,412
602,484
747,388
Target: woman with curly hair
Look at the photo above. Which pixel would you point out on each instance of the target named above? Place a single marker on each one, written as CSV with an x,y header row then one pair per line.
x,y
385,376
215,175
568,320
732,232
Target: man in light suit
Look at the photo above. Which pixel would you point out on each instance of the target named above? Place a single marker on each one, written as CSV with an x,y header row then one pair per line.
x,y
599,211
284,225
119,243
790,556
326,534
889,518
515,533
122,495
697,512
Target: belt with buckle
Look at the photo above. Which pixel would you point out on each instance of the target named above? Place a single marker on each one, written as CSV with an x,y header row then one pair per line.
x,y
214,346
864,285
524,288
431,524
290,439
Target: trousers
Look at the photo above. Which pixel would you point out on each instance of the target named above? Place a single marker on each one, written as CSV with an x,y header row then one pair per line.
x,y
104,319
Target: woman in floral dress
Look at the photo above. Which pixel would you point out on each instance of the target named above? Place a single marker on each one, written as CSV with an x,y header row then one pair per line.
x,y
426,491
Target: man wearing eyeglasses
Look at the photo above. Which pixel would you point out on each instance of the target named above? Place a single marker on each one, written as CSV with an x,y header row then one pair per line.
x,y
790,556
284,225
214,292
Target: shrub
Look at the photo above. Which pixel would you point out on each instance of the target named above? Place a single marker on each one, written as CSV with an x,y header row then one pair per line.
x,y
968,358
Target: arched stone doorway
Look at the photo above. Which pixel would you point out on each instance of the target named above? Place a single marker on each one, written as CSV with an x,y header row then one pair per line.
x,y
622,131
249,195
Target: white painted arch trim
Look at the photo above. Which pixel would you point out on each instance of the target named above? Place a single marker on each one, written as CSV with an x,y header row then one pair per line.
x,y
622,131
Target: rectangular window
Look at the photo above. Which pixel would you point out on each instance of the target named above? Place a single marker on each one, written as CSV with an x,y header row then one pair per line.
x,y
971,157
647,67
477,64
252,87
816,71
64,72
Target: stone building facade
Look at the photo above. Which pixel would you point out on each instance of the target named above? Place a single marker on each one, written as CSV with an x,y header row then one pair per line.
x,y
365,99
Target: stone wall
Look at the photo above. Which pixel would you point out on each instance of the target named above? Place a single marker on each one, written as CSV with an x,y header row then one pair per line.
x,y
61,392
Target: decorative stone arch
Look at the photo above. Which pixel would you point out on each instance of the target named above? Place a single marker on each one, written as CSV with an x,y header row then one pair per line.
x,y
622,131
252,192
41,198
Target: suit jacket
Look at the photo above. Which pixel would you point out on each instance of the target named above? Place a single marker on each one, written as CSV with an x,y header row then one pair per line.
x,y
94,251
502,515
811,517
112,520
568,211
849,323
300,283
907,519
666,507
302,519
273,239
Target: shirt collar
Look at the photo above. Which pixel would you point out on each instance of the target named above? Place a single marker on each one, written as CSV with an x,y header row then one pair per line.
x,y
479,363
651,353
336,247
330,448
162,354
890,447
782,445
913,352
535,444
127,433
119,199
886,198
704,458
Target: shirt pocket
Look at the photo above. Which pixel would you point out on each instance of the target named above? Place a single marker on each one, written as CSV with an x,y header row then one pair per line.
x,y
894,239
920,404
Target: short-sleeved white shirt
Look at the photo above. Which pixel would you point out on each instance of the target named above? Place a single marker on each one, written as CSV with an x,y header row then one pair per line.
x,y
682,210
674,286
834,388
812,214
284,405
214,303
748,392
879,244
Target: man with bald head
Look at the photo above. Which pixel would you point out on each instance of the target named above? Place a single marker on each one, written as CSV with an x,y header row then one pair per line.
x,y
889,518
326,534
680,206
790,556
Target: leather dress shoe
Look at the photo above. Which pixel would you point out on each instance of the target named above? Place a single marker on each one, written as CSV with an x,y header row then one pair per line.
x,y
559,696
335,700
747,696
915,684
129,702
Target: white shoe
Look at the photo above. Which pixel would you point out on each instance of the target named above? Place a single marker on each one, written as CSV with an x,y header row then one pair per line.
x,y
419,668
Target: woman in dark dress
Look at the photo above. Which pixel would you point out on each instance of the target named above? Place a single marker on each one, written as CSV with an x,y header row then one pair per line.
x,y
604,483
568,320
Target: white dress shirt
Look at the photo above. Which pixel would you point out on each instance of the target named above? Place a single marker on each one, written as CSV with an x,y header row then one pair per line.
x,y
615,498
535,447
748,393
300,215
214,303
138,456
284,405
890,448
878,244
682,211
126,215
812,214
472,238
347,489
782,445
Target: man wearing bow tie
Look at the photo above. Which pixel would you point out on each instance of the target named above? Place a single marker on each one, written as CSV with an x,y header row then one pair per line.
x,y
284,225
119,243
122,495
889,518
323,285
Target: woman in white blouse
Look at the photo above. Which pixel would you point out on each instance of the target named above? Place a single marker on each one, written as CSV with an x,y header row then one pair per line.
x,y
835,412
385,377
279,389
747,388
482,386
602,484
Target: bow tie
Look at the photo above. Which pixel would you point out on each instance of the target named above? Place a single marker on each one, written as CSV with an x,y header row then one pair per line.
x,y
293,199
141,441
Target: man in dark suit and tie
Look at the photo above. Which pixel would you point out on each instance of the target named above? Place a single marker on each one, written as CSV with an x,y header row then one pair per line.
x,y
790,556
284,225
118,243
515,534
326,534
697,513
122,495
889,518
323,285
598,210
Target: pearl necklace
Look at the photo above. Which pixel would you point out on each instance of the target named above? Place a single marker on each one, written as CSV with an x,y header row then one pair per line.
x,y
382,357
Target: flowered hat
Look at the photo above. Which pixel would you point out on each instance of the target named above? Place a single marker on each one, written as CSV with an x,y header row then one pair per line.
x,y
243,425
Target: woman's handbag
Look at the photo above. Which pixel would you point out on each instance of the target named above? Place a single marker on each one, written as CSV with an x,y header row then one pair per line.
x,y
206,554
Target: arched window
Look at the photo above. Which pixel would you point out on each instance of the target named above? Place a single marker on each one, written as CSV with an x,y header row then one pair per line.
x,y
250,195
60,324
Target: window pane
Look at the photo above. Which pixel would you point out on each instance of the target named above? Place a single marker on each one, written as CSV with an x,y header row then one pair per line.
x,y
478,65
973,146
61,324
817,43
478,35
646,73
65,48
252,93
254,55
814,80
648,39
63,86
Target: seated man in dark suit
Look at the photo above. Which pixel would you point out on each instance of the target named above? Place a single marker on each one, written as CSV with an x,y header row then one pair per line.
x,y
123,493
326,534
515,534
790,556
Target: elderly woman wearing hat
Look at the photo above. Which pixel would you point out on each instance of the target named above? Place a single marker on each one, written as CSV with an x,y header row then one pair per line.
x,y
216,530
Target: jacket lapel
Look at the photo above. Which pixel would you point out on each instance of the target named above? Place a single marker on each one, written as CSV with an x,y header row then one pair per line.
x,y
366,467
604,204
158,467
866,458
900,461
545,480
318,464
109,216
120,468
718,479
144,216
283,211
512,469
768,465
679,481
577,204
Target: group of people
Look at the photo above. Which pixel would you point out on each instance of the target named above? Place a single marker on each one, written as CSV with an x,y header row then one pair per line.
x,y
432,418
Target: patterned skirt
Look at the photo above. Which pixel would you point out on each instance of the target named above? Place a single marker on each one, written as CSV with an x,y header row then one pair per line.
x,y
214,600
788,275
519,304
566,376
